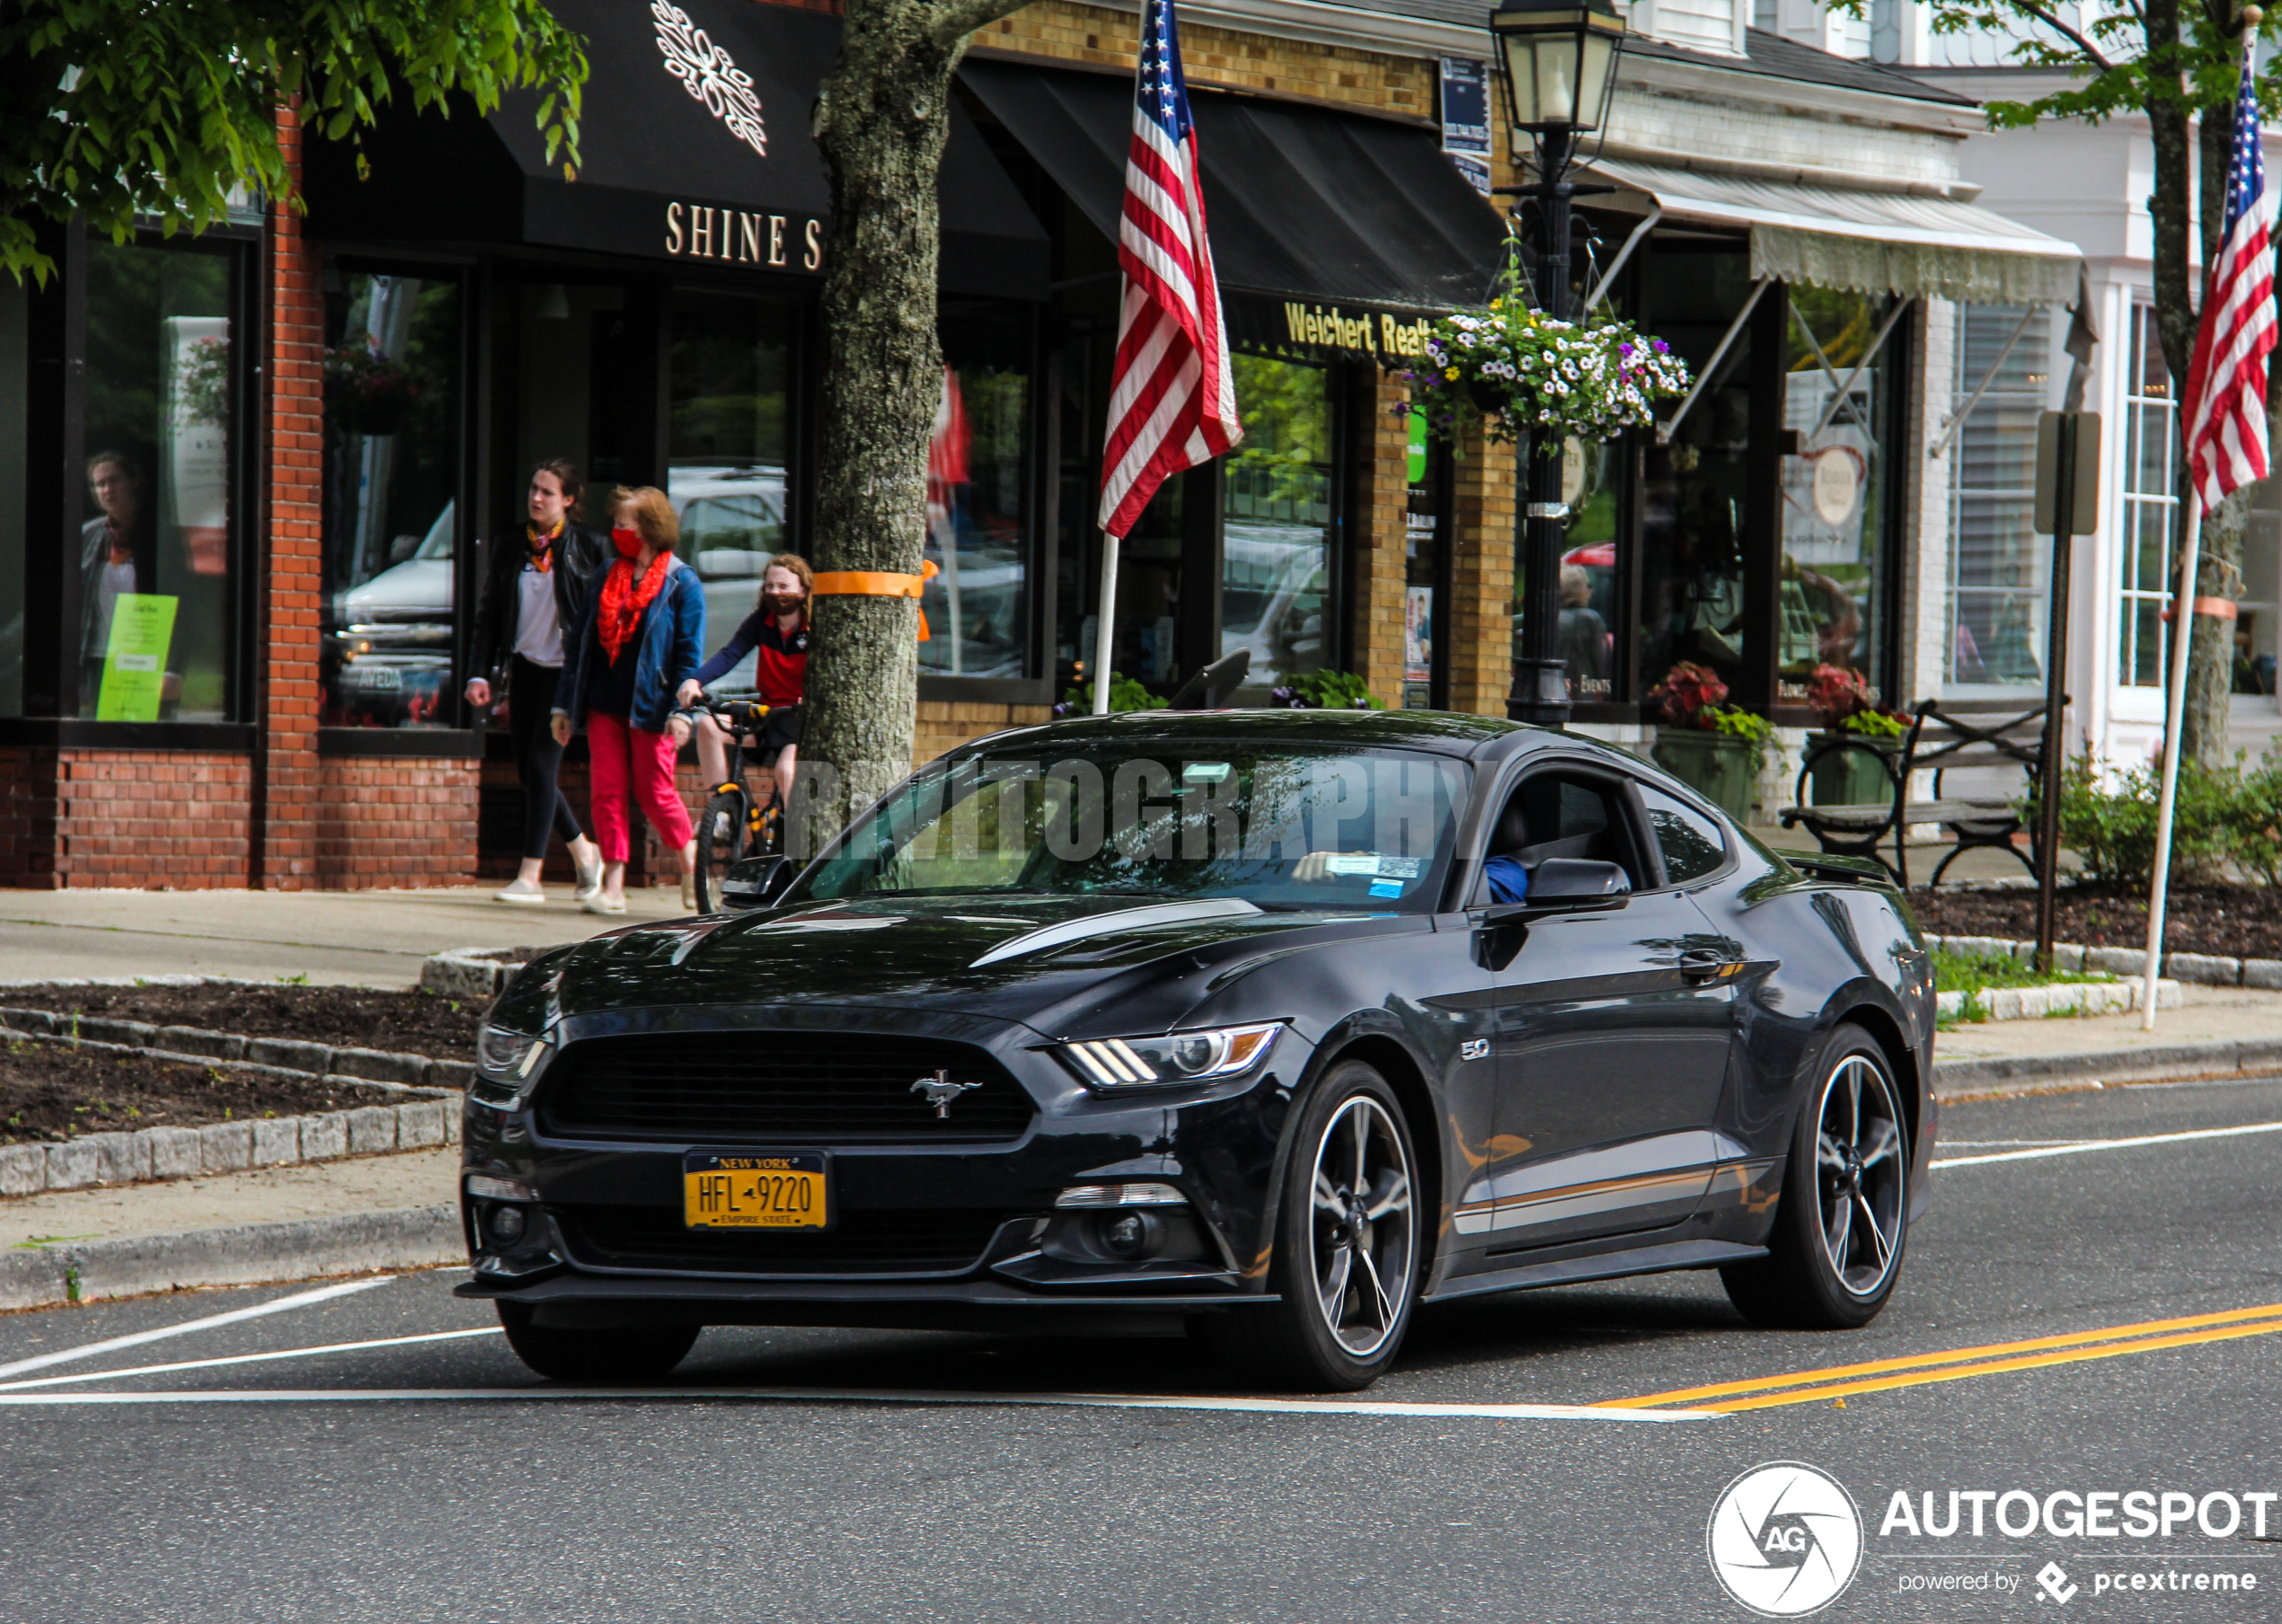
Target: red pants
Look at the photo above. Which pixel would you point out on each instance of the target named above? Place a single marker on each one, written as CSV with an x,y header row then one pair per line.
x,y
630,764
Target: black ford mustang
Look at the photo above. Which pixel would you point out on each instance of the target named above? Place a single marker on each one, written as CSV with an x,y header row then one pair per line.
x,y
1230,1019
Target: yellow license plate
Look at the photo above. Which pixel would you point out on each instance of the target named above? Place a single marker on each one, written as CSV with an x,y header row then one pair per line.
x,y
790,1190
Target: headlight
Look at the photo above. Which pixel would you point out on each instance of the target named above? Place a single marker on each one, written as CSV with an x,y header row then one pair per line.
x,y
506,1053
1177,1057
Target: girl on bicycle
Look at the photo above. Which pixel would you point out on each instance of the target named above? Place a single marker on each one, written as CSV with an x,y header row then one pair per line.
x,y
779,628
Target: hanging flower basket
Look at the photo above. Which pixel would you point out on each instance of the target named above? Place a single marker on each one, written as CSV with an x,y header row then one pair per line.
x,y
365,393
1521,373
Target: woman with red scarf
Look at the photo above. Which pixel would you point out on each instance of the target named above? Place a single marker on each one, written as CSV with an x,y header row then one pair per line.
x,y
640,636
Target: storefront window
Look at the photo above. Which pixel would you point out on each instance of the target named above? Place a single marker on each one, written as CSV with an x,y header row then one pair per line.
x,y
392,525
978,605
1144,638
727,452
153,635
1997,560
1591,485
15,384
1837,400
2151,506
1423,532
1692,495
1275,568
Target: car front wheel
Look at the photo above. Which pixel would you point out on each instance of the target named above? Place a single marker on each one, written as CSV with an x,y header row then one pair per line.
x,y
632,1353
1346,1246
1836,1247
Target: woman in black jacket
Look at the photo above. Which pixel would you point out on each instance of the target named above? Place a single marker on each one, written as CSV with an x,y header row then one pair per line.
x,y
534,587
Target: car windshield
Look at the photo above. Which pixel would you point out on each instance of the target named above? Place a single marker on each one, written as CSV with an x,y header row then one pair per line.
x,y
1284,827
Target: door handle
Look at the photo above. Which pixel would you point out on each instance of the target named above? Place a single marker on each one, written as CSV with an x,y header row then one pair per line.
x,y
1707,964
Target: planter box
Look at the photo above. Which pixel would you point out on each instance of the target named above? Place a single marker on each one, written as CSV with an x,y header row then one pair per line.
x,y
1719,766
1851,777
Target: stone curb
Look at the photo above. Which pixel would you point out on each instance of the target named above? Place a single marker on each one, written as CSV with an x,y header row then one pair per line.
x,y
2060,997
253,1254
150,1154
2022,1073
272,1054
471,972
2204,969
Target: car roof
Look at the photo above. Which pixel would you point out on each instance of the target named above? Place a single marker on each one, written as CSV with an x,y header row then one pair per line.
x,y
1445,732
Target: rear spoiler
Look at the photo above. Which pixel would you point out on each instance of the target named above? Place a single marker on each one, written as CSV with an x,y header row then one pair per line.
x,y
1854,870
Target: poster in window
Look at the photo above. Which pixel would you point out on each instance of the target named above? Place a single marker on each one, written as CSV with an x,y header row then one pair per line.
x,y
141,633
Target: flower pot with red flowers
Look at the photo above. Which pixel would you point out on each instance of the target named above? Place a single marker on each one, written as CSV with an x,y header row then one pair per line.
x,y
1851,764
1715,748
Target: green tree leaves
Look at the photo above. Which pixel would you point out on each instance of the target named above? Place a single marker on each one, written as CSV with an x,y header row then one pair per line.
x,y
162,109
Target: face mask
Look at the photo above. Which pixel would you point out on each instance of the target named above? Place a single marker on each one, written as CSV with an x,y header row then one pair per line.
x,y
628,542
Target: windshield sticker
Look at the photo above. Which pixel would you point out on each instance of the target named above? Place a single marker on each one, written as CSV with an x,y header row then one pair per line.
x,y
1386,887
1371,865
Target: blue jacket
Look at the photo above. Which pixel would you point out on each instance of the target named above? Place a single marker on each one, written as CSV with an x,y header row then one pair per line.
x,y
670,643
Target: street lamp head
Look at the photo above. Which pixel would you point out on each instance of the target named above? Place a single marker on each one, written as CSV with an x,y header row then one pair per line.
x,y
1558,59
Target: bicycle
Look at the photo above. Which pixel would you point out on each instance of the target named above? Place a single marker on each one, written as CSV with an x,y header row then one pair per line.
x,y
735,826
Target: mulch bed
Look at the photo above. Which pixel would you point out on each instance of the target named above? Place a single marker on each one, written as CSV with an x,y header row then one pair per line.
x,y
53,1091
344,1017
2232,922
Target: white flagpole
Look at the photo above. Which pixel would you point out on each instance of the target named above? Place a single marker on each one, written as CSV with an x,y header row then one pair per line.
x,y
2174,723
1102,642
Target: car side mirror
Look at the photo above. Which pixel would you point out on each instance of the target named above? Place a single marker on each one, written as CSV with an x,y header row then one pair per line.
x,y
756,882
1569,884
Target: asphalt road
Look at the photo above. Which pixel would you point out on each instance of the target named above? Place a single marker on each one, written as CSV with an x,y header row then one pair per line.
x,y
434,1479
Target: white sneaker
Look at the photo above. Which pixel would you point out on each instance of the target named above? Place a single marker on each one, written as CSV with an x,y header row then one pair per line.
x,y
599,904
516,891
589,882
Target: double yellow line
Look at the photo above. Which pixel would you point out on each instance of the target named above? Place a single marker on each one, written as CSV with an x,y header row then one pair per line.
x,y
1957,1364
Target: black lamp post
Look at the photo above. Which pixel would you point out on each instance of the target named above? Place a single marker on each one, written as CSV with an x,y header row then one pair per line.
x,y
1558,60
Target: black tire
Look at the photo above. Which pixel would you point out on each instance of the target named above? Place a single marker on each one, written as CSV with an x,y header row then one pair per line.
x,y
1326,1332
634,1352
1842,1223
720,842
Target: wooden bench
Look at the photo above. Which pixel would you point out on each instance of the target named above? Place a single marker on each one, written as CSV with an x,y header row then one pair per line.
x,y
1944,736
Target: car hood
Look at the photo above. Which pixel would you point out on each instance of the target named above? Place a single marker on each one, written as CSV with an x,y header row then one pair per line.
x,y
1053,963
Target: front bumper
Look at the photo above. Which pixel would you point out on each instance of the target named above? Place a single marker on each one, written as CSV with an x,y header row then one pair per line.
x,y
1216,1145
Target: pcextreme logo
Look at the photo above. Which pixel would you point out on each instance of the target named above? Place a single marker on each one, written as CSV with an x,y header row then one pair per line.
x,y
1785,1540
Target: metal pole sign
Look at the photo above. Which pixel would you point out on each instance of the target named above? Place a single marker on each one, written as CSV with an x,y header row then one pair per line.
x,y
2067,506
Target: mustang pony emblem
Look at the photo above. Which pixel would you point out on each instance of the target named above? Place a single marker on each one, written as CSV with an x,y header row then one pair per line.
x,y
941,1091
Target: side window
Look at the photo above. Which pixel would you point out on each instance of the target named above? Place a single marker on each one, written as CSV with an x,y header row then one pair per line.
x,y
1554,814
1691,843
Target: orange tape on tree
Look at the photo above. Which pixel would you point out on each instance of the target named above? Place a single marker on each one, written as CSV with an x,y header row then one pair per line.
x,y
877,583
2217,608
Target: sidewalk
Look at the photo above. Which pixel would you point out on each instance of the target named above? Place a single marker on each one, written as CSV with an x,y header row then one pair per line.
x,y
359,937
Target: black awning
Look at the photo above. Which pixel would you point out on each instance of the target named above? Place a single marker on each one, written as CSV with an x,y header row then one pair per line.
x,y
729,177
1329,230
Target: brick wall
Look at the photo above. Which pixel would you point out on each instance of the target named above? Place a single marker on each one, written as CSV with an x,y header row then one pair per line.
x,y
1480,619
287,855
395,820
28,818
1222,57
1381,573
154,818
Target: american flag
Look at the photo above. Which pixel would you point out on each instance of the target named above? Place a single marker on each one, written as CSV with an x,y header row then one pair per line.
x,y
1173,403
2226,380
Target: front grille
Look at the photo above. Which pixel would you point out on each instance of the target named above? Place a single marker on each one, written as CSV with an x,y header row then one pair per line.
x,y
902,1241
785,1088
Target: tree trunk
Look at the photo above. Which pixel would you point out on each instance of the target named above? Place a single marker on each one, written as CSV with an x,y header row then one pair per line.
x,y
881,121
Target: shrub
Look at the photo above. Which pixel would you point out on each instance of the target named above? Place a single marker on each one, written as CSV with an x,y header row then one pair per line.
x,y
1325,690
2113,830
1126,693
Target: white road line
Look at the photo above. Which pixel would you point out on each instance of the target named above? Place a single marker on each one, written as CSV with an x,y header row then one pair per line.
x,y
289,1353
833,1395
113,1345
2084,1147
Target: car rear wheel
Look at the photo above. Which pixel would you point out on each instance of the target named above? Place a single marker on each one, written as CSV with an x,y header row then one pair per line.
x,y
1837,1248
1347,1247
632,1353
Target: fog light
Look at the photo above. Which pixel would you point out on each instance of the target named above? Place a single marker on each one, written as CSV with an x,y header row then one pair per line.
x,y
505,1225
1131,1236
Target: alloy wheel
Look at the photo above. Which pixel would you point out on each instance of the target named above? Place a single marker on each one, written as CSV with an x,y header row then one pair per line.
x,y
1861,1171
1364,1230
